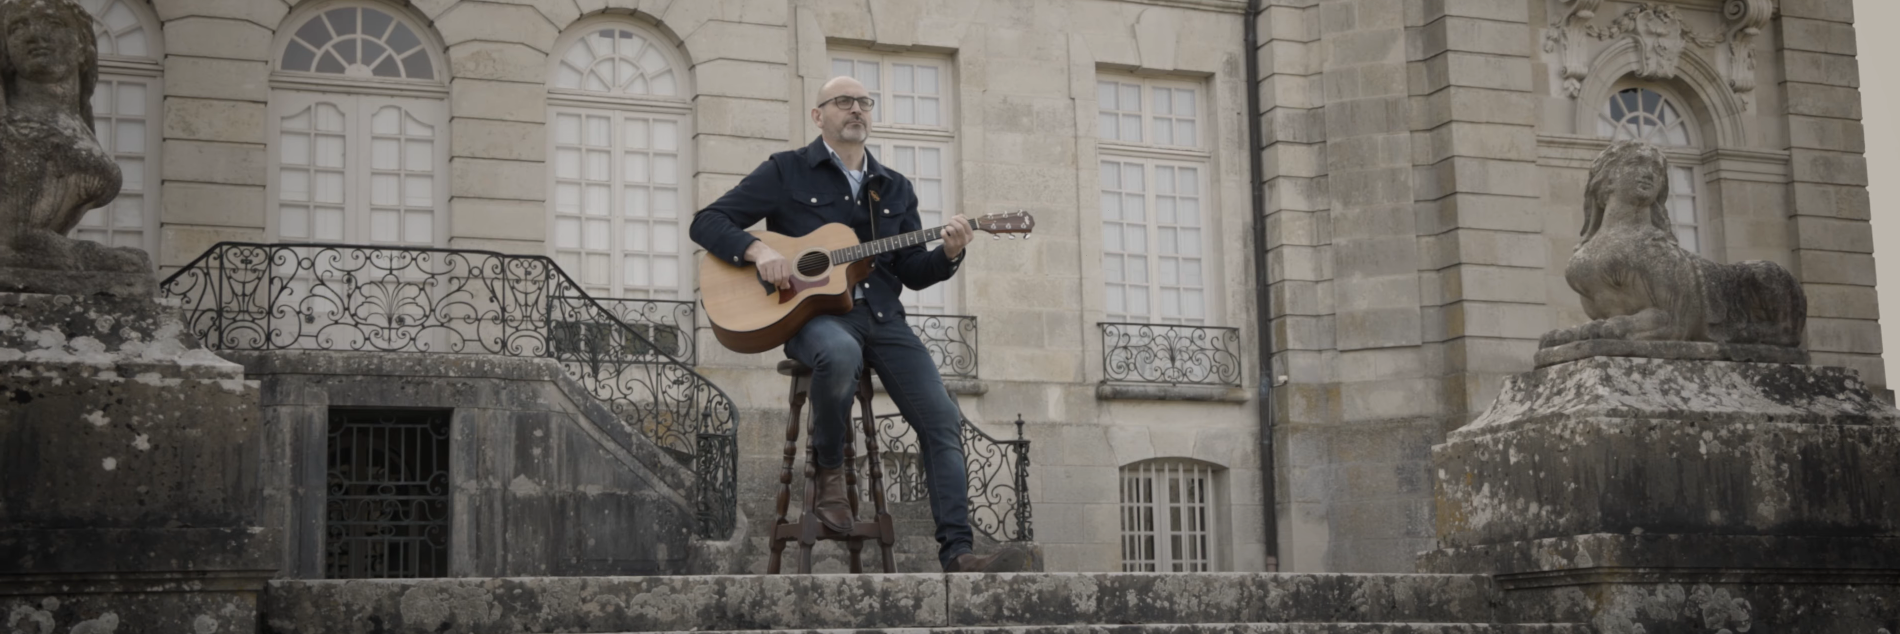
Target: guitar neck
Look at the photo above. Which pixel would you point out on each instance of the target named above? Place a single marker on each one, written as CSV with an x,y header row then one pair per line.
x,y
881,245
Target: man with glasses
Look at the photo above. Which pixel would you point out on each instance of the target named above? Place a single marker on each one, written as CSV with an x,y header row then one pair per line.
x,y
835,180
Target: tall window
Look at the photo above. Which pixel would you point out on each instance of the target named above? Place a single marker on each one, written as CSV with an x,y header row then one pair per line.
x,y
1152,178
1168,516
125,106
619,113
915,137
1642,114
358,123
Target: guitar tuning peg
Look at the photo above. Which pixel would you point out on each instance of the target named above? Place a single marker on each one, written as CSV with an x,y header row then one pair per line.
x,y
995,237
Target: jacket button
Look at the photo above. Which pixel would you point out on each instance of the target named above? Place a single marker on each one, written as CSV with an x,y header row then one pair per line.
x,y
814,200
887,212
880,315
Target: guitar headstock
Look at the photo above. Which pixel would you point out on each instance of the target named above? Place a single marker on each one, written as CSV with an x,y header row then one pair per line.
x,y
1011,223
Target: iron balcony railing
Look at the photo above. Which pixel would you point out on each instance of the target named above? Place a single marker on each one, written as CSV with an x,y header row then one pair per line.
x,y
1170,354
951,340
246,296
998,475
667,323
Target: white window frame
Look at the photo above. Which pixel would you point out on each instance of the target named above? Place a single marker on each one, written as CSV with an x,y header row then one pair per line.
x,y
1172,516
944,298
1150,155
884,90
620,106
146,70
359,98
1685,163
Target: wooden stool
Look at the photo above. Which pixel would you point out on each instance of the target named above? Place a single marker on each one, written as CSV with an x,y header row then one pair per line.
x,y
808,531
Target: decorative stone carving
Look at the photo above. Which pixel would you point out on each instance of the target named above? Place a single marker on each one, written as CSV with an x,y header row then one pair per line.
x,y
1659,35
52,168
1745,19
1568,25
1638,284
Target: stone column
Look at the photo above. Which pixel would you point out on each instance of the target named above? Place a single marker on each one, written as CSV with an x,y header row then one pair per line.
x,y
1833,242
216,122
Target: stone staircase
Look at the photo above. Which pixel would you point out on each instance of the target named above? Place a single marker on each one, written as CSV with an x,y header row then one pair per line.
x,y
1025,602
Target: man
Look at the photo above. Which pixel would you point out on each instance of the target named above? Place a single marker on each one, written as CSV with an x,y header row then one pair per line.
x,y
834,180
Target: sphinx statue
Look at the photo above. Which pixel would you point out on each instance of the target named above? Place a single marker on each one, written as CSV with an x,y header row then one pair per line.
x,y
1638,284
52,167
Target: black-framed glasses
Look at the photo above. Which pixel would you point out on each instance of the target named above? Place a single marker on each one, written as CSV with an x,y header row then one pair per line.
x,y
843,102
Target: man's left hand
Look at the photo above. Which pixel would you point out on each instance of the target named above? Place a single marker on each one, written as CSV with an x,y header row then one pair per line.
x,y
956,235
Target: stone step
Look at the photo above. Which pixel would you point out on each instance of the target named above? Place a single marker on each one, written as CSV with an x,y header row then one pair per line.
x,y
922,601
1235,628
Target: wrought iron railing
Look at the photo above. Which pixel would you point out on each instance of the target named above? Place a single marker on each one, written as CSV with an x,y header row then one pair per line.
x,y
1165,353
667,323
244,296
951,340
998,475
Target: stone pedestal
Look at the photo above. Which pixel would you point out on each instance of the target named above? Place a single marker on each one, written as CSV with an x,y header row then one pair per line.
x,y
1691,494
129,457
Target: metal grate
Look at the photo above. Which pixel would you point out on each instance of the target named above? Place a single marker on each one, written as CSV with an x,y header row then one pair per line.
x,y
1167,516
387,510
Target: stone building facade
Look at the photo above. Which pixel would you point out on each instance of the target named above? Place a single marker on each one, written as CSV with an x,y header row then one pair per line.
x,y
1420,169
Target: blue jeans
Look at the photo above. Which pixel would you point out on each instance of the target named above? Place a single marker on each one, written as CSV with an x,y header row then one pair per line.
x,y
836,346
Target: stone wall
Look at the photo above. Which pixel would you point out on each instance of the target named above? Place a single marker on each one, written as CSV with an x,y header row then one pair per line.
x,y
545,480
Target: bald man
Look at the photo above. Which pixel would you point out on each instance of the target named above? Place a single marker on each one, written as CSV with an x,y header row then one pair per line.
x,y
835,180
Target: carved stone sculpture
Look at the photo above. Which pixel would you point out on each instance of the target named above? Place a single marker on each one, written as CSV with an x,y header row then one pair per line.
x,y
52,168
1638,284
1745,19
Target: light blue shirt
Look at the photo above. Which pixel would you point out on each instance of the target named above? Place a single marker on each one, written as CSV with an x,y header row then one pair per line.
x,y
856,176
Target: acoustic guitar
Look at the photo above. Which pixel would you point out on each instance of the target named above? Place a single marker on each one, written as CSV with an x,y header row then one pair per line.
x,y
749,314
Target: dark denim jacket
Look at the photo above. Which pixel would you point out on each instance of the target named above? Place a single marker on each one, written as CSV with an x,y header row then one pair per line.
x,y
796,192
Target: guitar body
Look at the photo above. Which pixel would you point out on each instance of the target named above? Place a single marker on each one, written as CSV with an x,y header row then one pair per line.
x,y
747,317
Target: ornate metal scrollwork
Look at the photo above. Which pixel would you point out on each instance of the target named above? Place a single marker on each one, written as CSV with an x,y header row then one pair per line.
x,y
998,476
1175,355
951,340
241,296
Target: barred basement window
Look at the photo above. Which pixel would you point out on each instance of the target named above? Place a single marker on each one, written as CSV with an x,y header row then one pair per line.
x,y
1168,516
387,510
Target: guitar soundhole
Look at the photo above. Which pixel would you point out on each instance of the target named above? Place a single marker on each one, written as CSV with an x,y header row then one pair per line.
x,y
813,263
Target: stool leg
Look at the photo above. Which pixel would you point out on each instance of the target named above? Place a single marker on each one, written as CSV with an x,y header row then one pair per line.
x,y
887,530
800,388
808,526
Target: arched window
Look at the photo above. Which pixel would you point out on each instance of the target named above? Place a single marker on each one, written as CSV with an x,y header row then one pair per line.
x,y
1169,516
618,119
358,121
125,109
1643,114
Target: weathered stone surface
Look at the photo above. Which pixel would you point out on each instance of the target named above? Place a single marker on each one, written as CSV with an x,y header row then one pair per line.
x,y
547,480
211,604
52,168
1667,583
1678,350
989,601
1616,445
130,494
1678,495
1638,284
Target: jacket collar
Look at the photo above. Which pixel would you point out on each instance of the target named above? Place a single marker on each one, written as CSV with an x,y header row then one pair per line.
x,y
816,154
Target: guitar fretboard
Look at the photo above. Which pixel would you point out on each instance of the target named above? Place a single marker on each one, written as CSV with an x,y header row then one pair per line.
x,y
881,245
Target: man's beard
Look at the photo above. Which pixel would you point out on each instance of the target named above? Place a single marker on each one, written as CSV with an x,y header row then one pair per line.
x,y
855,134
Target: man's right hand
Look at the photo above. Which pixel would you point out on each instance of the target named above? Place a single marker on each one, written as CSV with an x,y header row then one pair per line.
x,y
772,266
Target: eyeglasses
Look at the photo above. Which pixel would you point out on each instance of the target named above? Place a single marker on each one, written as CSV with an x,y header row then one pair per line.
x,y
843,102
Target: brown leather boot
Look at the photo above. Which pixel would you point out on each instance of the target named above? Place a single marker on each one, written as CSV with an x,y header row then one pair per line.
x,y
834,511
1009,559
